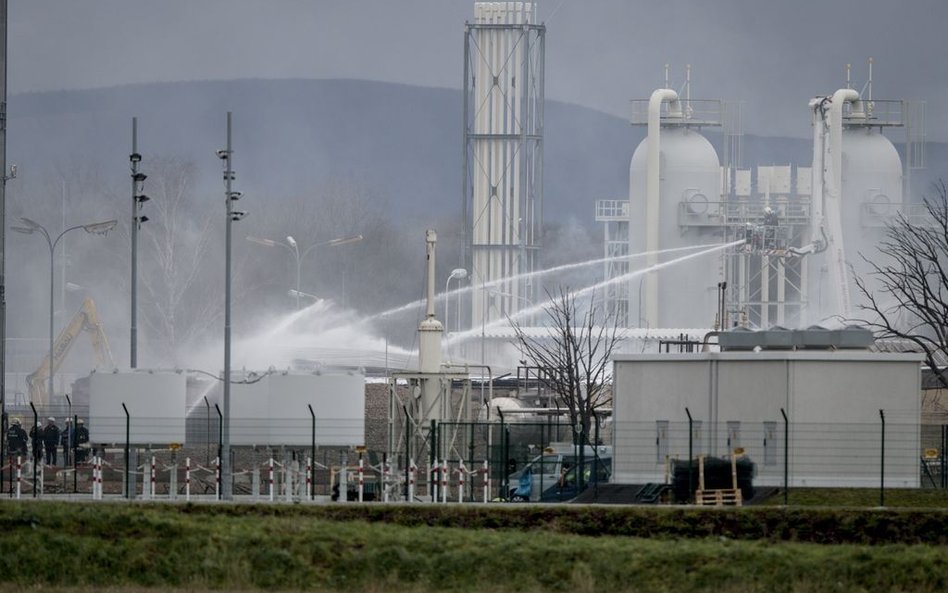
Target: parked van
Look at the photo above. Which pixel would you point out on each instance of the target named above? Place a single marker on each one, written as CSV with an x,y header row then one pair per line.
x,y
553,476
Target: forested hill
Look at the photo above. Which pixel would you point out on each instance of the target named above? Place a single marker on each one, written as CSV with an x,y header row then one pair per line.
x,y
402,142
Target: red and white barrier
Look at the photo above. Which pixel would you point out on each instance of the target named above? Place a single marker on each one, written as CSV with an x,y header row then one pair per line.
x,y
486,475
187,479
361,478
411,481
217,477
19,476
309,479
444,481
386,477
153,479
270,493
461,472
97,478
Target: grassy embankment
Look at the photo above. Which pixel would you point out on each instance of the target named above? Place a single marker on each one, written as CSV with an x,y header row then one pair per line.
x,y
499,549
864,497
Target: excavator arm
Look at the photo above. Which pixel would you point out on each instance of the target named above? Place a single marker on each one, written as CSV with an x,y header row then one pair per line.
x,y
86,319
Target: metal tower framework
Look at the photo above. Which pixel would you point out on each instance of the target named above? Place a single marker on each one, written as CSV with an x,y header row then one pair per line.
x,y
503,95
614,214
767,281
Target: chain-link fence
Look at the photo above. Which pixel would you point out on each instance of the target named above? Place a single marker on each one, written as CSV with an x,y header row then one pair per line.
x,y
310,458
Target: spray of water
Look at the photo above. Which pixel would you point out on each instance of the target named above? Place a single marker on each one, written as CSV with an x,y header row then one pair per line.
x,y
535,274
476,332
336,336
324,332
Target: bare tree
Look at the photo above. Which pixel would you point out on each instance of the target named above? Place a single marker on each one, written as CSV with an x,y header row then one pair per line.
x,y
906,290
181,303
574,358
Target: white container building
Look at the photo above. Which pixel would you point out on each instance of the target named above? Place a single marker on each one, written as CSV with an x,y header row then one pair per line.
x,y
832,400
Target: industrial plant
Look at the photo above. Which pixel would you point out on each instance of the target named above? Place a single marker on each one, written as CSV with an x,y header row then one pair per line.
x,y
724,295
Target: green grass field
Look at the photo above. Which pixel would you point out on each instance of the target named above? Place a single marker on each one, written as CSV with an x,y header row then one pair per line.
x,y
138,547
864,497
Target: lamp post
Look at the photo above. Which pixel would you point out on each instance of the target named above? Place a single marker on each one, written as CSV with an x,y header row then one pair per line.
x,y
293,247
138,199
29,227
230,196
460,274
297,294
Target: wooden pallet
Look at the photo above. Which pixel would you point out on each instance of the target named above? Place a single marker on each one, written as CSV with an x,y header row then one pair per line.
x,y
719,498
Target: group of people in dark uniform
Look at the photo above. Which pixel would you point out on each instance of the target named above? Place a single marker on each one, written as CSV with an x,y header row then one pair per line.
x,y
46,440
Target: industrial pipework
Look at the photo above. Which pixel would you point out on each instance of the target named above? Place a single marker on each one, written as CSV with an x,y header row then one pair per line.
x,y
828,185
652,193
430,329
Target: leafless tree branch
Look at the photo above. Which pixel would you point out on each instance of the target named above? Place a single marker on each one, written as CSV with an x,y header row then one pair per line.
x,y
906,289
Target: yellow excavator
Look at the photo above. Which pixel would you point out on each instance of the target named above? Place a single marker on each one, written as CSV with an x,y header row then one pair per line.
x,y
85,320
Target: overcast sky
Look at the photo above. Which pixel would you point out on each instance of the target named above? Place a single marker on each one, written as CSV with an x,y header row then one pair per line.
x,y
771,54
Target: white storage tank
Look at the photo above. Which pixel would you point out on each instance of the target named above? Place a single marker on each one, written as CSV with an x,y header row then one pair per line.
x,y
690,174
871,193
155,401
275,410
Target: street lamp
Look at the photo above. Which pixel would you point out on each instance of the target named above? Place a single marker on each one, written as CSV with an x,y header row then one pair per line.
x,y
138,200
293,247
296,294
29,227
460,274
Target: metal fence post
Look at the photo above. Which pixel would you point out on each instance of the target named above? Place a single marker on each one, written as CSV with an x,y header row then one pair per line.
x,y
882,463
312,458
596,453
207,435
433,460
128,422
786,457
220,449
33,439
503,455
75,452
3,445
944,456
407,453
691,451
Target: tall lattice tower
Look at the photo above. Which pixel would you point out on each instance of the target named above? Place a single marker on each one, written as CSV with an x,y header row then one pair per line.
x,y
503,156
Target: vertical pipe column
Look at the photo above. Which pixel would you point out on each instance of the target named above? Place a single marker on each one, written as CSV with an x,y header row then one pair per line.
x,y
411,480
361,478
833,200
19,476
653,197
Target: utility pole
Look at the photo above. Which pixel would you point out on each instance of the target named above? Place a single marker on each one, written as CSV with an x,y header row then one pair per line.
x,y
138,198
3,211
230,196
